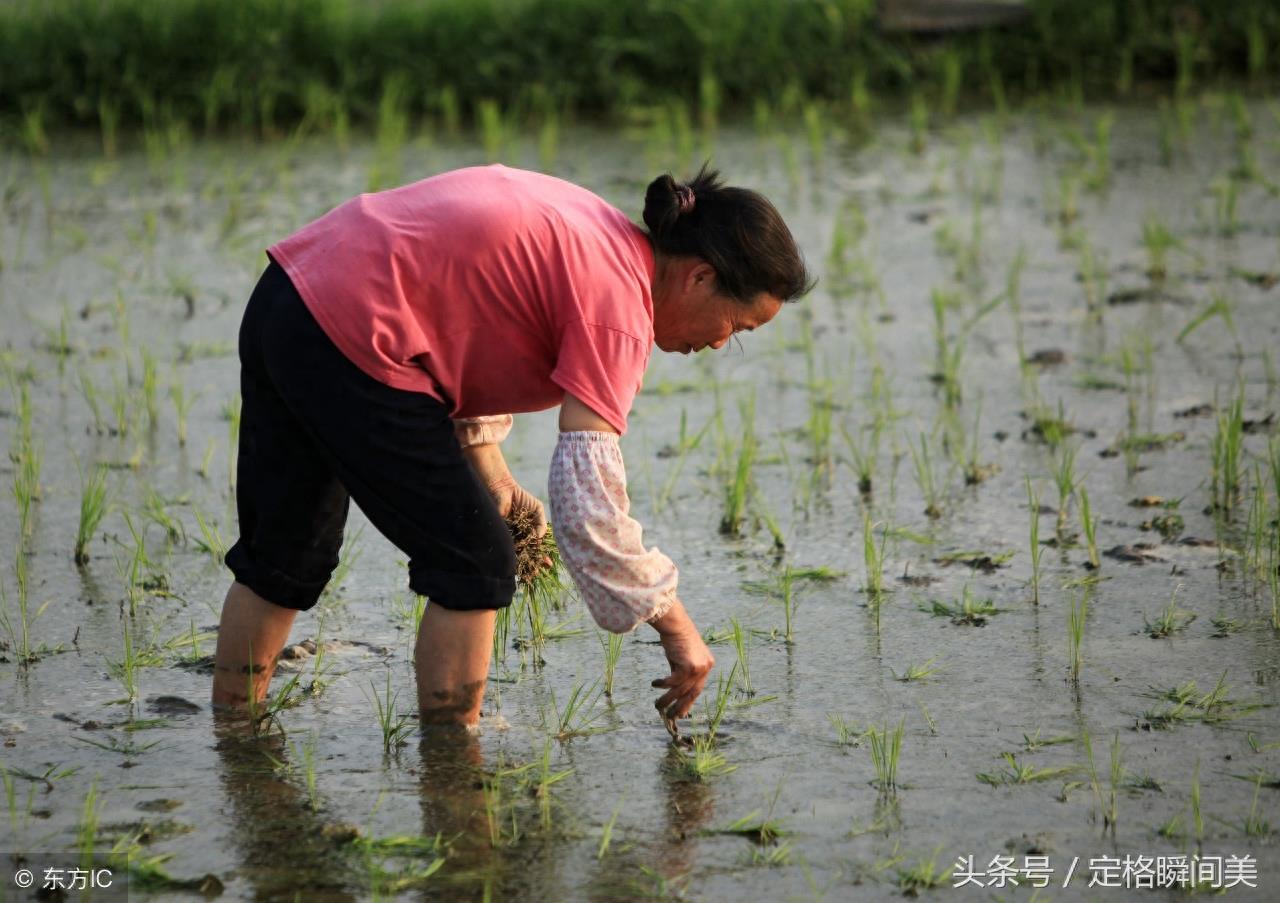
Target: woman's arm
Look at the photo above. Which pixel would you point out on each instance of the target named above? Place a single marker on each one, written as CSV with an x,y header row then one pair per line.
x,y
621,582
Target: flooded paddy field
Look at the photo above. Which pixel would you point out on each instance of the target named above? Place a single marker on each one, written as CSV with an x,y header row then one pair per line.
x,y
982,531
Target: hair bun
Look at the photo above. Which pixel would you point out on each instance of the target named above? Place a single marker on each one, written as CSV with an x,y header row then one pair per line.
x,y
662,203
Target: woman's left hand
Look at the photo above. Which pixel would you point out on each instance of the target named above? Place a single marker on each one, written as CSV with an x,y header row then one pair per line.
x,y
512,499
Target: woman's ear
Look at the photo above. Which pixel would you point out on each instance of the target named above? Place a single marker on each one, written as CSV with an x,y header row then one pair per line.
x,y
702,275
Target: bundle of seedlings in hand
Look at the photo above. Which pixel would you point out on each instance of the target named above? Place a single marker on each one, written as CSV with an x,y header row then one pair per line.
x,y
537,557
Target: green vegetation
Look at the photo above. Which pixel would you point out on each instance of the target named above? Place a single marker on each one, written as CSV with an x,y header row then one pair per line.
x,y
320,65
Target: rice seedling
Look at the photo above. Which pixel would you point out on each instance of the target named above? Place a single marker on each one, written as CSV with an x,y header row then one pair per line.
x,y
1093,275
1075,633
969,610
210,540
492,126
395,726
948,351
1034,742
606,832
701,762
579,714
203,469
20,633
924,875
1171,618
125,669
738,485
873,561
846,734
93,508
918,118
916,672
1221,308
864,454
1065,480
886,749
1110,818
1227,450
546,779
611,644
1197,817
1226,192
89,391
1090,525
1017,773
742,646
762,829
1256,825
1158,242
926,478
1098,174
1037,550
181,406
263,712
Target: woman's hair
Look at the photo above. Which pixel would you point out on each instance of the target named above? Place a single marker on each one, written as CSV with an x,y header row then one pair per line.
x,y
736,230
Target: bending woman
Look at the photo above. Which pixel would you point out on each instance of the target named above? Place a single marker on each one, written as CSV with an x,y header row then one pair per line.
x,y
386,347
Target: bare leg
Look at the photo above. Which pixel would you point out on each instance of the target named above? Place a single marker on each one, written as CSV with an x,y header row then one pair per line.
x,y
452,664
249,622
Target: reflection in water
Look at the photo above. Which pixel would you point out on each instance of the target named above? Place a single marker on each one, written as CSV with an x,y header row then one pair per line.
x,y
502,824
660,869
283,847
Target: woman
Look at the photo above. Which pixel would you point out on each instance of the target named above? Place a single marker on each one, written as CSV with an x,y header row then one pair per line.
x,y
383,353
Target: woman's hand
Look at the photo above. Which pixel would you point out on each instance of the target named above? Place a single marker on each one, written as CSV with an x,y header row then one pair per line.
x,y
513,499
510,497
690,660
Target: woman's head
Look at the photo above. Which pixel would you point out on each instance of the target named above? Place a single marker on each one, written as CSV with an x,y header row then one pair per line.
x,y
734,230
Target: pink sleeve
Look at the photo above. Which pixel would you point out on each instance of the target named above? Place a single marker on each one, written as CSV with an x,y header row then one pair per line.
x,y
603,367
621,582
482,430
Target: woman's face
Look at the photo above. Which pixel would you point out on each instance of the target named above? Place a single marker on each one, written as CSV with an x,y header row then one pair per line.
x,y
700,317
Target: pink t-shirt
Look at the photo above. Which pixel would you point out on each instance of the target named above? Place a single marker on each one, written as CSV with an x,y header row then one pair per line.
x,y
492,289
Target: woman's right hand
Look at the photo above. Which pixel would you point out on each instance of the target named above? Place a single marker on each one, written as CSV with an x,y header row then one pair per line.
x,y
690,660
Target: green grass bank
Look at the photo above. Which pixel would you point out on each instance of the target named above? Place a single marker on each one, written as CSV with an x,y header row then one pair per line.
x,y
269,66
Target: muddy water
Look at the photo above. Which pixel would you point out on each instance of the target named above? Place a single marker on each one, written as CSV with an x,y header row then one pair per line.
x,y
117,247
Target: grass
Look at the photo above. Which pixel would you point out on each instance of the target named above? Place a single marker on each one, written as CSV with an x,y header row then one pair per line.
x,y
885,745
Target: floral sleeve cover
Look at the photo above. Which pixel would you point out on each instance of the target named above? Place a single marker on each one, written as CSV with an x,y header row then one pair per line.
x,y
621,582
482,430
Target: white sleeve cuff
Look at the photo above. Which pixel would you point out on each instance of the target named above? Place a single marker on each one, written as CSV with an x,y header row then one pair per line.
x,y
482,430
